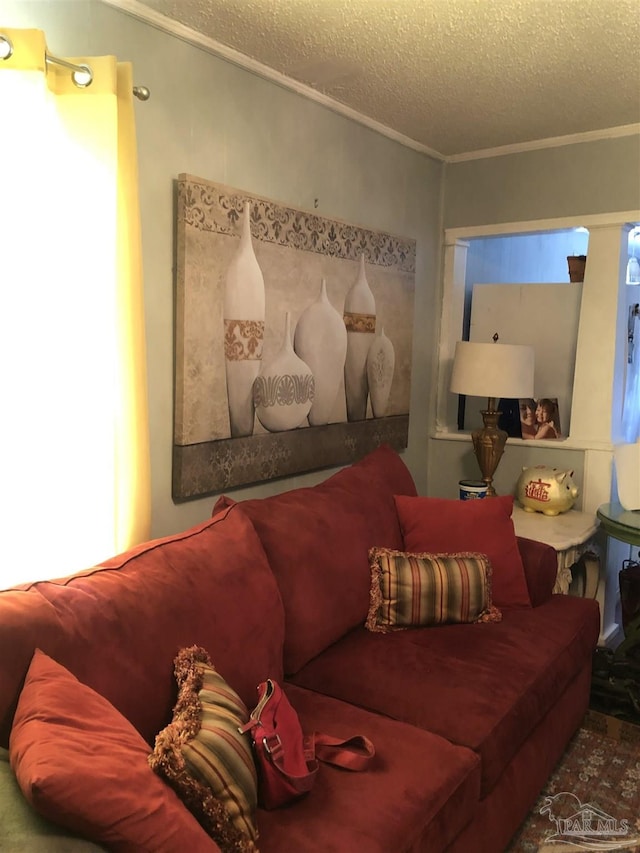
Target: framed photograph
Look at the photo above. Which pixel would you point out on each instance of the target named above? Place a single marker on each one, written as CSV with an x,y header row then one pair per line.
x,y
540,418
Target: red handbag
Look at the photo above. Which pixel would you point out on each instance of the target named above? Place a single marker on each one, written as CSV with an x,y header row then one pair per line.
x,y
286,759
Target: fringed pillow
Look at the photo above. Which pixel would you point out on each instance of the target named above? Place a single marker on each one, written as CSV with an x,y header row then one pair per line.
x,y
205,758
412,590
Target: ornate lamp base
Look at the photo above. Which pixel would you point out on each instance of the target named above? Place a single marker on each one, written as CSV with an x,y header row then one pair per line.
x,y
488,444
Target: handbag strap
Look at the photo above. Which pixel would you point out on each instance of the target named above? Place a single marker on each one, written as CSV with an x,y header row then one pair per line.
x,y
303,782
355,753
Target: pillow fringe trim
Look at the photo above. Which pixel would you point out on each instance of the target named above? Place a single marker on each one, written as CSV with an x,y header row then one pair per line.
x,y
376,601
167,759
377,622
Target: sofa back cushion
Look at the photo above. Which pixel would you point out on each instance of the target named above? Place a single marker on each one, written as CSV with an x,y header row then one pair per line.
x,y
119,626
317,540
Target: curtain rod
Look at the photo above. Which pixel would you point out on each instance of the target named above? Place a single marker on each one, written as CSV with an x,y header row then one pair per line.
x,y
82,75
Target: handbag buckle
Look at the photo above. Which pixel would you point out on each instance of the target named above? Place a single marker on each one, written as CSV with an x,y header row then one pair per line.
x,y
276,743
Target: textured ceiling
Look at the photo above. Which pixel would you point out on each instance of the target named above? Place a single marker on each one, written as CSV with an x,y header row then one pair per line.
x,y
455,76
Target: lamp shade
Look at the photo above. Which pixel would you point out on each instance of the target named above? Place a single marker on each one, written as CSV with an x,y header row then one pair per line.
x,y
492,370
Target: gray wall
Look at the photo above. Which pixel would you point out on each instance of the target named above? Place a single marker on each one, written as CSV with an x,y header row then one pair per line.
x,y
523,258
451,461
214,120
584,178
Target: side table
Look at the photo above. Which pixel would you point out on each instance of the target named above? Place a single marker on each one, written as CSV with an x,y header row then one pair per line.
x,y
615,684
620,523
572,535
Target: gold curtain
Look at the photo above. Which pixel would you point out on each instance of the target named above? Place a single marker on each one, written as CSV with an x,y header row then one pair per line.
x,y
74,431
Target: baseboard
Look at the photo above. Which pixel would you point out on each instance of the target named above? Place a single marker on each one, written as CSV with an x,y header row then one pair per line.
x,y
611,637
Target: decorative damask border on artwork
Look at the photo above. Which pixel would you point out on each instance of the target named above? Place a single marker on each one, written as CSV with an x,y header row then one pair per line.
x,y
212,466
211,207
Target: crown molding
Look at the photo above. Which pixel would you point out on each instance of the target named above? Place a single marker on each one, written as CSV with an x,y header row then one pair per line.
x,y
161,22
550,142
590,221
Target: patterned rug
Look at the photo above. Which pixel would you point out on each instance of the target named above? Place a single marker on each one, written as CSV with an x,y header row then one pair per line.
x,y
592,800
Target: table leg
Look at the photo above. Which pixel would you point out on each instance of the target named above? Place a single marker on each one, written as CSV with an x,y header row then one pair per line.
x,y
586,576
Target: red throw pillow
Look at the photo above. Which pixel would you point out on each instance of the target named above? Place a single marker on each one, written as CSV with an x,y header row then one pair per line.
x,y
440,525
81,764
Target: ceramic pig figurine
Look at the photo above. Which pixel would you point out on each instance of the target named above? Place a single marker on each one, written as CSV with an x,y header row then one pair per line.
x,y
546,490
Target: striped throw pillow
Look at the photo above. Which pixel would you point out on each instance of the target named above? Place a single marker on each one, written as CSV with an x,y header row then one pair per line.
x,y
411,590
204,757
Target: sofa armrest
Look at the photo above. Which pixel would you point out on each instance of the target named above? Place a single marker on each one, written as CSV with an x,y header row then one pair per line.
x,y
540,567
22,828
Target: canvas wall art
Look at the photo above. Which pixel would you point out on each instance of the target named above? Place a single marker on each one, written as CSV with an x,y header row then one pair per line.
x,y
293,339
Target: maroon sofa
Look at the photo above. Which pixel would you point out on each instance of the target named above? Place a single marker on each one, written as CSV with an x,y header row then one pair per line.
x,y
468,720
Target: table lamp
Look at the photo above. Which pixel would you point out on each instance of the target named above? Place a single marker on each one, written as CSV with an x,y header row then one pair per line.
x,y
492,371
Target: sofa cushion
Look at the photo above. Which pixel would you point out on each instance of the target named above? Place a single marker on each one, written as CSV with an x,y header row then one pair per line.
x,y
118,627
418,793
412,590
317,540
485,687
440,524
81,764
205,757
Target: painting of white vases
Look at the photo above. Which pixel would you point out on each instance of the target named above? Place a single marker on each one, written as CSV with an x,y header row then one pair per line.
x,y
283,391
321,341
360,322
381,360
282,366
243,329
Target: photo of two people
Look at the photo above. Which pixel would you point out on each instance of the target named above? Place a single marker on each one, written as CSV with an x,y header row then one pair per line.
x,y
530,419
539,418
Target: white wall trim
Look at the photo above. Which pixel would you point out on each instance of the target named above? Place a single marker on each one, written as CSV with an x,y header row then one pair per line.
x,y
550,142
532,226
167,25
162,22
569,443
